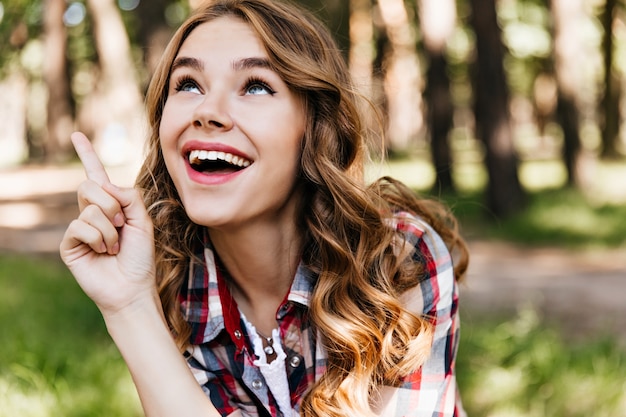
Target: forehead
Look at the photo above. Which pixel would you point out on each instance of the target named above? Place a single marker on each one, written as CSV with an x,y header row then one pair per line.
x,y
222,37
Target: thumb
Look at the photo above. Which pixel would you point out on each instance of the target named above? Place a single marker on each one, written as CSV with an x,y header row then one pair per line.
x,y
132,204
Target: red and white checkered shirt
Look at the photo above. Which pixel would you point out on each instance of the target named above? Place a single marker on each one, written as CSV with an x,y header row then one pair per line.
x,y
221,356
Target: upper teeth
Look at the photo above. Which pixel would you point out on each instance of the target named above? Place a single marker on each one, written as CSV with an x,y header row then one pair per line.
x,y
198,156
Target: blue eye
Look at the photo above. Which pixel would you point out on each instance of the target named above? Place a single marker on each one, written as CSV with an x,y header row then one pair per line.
x,y
256,86
187,84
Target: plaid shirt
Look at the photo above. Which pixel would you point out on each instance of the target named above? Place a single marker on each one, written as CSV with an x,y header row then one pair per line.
x,y
221,356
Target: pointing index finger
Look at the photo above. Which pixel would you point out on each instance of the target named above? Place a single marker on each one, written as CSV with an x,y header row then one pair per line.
x,y
93,167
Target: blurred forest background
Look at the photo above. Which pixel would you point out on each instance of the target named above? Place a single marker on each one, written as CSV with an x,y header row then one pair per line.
x,y
513,111
501,82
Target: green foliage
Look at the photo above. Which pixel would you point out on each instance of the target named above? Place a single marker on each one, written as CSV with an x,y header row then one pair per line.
x,y
560,217
21,21
554,215
55,353
522,368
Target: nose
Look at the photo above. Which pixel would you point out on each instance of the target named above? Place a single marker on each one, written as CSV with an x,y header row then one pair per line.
x,y
212,112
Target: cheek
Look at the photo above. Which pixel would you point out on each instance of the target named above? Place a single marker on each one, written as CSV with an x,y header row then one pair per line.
x,y
167,139
292,126
166,122
169,129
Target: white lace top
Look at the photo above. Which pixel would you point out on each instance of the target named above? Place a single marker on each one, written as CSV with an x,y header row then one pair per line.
x,y
274,373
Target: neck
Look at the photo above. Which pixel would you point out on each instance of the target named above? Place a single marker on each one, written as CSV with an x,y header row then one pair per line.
x,y
262,262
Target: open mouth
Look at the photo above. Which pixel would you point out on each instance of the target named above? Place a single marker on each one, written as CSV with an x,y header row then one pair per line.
x,y
216,162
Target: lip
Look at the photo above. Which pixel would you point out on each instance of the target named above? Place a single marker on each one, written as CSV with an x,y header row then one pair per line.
x,y
210,178
211,146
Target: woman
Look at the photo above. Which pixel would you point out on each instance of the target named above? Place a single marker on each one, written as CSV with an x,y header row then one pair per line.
x,y
290,287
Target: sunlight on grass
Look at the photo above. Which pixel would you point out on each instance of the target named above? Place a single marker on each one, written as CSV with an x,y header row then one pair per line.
x,y
28,392
609,183
56,358
565,218
33,402
605,178
419,174
555,215
520,367
416,173
468,176
576,219
542,174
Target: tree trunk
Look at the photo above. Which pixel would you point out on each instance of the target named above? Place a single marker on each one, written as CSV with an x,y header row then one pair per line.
x,y
361,62
361,55
153,33
437,21
567,17
402,77
504,192
14,91
336,14
114,113
612,89
60,121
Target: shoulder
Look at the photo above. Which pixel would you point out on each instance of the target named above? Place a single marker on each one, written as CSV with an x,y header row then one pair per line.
x,y
419,241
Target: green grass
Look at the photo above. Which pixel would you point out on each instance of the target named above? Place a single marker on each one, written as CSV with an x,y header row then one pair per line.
x,y
520,368
554,216
561,217
56,358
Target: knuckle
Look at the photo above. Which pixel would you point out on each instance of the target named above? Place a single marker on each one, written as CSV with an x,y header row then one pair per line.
x,y
109,235
83,187
91,212
90,193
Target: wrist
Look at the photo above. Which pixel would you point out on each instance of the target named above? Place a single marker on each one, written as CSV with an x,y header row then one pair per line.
x,y
144,310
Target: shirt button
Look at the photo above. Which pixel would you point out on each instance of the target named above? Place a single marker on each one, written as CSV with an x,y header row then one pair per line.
x,y
237,334
294,362
257,384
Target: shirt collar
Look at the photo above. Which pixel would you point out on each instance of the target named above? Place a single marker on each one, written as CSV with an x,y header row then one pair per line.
x,y
208,306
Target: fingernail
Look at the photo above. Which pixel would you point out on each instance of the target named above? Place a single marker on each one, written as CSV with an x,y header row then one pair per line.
x,y
116,248
118,220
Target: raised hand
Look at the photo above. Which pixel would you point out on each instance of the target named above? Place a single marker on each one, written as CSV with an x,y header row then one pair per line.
x,y
109,248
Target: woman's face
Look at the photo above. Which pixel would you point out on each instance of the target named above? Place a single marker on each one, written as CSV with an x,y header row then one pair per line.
x,y
231,129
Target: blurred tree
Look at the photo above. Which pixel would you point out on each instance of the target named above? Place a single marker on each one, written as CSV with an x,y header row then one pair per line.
x,y
437,22
20,21
402,76
20,58
336,14
153,32
361,62
544,96
567,16
361,54
491,108
610,108
114,113
60,120
530,73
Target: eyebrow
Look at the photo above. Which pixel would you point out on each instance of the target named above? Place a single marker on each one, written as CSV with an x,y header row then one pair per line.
x,y
239,65
249,63
187,62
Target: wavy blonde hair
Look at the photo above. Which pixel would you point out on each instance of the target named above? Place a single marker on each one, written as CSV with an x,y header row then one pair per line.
x,y
371,339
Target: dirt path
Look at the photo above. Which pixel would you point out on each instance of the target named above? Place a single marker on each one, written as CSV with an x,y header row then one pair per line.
x,y
583,292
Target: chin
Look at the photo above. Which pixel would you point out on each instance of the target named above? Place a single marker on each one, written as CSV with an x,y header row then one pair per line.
x,y
200,217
